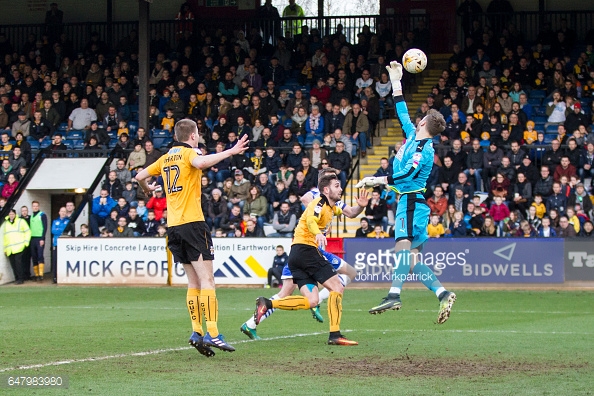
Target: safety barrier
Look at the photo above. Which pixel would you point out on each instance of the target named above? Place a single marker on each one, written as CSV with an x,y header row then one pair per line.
x,y
245,261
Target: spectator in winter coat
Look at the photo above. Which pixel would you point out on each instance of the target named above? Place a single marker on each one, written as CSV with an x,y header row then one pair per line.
x,y
122,230
284,222
546,231
565,168
113,185
474,164
151,224
499,211
557,200
158,203
565,229
100,211
239,190
438,203
216,209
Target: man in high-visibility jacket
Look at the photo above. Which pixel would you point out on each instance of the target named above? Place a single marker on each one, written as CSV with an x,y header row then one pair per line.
x,y
293,27
38,225
17,236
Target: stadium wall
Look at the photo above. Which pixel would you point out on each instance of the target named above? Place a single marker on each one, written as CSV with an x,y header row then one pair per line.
x,y
245,261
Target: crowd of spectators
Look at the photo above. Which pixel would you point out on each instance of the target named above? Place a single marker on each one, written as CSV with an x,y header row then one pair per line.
x,y
306,102
516,157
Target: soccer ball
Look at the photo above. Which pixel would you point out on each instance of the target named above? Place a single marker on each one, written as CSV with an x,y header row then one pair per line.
x,y
414,60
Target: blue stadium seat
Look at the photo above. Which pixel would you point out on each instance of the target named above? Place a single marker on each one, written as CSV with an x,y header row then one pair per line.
x,y
34,144
534,101
535,93
549,138
75,135
45,143
539,119
161,142
133,127
79,145
304,89
288,123
112,134
29,138
539,127
551,129
68,143
161,133
112,143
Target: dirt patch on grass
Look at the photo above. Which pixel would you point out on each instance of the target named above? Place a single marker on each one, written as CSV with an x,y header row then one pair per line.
x,y
413,367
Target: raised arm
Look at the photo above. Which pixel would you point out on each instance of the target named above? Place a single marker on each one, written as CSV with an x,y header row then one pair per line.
x,y
206,161
395,72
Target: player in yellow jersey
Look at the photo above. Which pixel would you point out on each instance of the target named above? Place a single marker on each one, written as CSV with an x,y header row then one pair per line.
x,y
308,265
188,234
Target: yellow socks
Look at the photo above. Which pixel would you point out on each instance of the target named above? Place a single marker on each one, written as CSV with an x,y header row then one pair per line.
x,y
41,265
36,270
210,307
335,310
291,303
194,310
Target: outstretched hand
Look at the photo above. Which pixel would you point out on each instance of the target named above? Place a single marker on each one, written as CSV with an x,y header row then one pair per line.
x,y
363,198
369,181
395,72
241,146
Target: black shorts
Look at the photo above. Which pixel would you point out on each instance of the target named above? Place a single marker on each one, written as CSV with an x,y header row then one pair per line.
x,y
189,241
308,266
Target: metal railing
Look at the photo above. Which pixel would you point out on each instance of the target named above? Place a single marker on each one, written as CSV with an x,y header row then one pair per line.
x,y
79,34
530,23
349,184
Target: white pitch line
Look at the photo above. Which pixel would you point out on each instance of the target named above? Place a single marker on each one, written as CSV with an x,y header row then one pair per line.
x,y
145,353
347,310
490,311
479,331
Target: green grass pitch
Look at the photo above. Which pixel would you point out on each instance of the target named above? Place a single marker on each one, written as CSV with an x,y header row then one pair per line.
x,y
132,341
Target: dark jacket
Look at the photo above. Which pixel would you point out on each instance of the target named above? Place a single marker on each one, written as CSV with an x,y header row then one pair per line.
x,y
556,201
475,159
115,189
341,161
217,209
333,122
543,187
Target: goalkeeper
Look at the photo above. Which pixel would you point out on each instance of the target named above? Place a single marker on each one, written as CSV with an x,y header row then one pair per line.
x,y
412,166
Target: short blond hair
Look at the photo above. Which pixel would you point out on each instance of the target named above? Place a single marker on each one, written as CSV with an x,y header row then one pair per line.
x,y
184,129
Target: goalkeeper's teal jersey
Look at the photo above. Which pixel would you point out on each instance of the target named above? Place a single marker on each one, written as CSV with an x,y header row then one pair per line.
x,y
413,162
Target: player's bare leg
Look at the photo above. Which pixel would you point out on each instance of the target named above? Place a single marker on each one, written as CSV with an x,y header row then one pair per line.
x,y
210,305
193,304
